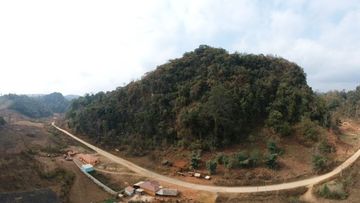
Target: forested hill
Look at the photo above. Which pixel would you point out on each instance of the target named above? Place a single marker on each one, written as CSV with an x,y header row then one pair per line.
x,y
56,102
35,107
208,96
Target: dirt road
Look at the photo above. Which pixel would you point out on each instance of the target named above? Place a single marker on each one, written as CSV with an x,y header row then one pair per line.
x,y
245,189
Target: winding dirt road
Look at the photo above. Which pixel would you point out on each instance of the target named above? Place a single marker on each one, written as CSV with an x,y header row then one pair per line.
x,y
215,189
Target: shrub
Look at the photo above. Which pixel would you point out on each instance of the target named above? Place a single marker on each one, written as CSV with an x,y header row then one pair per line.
x,y
284,129
325,147
231,163
242,156
195,159
319,162
273,148
332,191
271,160
309,129
211,165
222,159
254,157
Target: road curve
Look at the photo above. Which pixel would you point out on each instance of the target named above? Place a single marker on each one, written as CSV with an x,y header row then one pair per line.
x,y
222,189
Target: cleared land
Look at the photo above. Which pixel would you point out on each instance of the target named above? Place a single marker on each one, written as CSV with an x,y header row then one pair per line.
x,y
31,161
251,189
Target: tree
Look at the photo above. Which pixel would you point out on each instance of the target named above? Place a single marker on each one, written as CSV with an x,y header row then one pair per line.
x,y
195,159
278,123
2,121
211,166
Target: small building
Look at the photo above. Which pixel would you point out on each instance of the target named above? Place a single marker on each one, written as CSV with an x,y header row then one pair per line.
x,y
207,177
129,190
167,192
88,159
150,187
87,168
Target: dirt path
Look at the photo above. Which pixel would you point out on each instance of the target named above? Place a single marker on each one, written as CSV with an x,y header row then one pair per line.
x,y
309,196
245,189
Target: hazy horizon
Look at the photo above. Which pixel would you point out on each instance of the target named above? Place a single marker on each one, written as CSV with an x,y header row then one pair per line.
x,y
78,47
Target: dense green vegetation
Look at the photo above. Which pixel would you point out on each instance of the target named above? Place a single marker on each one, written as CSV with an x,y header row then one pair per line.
x,y
27,106
343,104
207,99
56,102
36,107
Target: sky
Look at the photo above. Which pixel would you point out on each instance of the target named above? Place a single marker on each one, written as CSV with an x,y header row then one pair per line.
x,y
78,47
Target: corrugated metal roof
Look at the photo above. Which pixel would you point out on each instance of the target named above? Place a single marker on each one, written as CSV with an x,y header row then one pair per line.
x,y
167,192
150,185
86,166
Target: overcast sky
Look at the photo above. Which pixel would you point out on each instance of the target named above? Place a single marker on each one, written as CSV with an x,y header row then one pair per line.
x,y
78,47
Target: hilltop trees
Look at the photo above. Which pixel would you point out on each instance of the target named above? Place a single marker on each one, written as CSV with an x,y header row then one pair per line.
x,y
346,104
27,106
36,107
56,102
206,99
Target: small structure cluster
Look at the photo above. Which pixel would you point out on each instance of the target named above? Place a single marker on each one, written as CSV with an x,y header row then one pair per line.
x,y
152,188
88,161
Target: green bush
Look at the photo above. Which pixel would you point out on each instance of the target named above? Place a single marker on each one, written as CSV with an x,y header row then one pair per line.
x,y
232,162
309,129
319,162
195,159
332,191
271,160
325,147
211,165
241,156
273,148
254,157
222,159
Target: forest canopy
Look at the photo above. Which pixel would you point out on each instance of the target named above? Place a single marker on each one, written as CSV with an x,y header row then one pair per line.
x,y
208,96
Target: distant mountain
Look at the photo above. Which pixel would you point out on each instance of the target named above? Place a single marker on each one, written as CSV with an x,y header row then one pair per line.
x,y
35,106
56,102
208,97
35,95
26,105
71,97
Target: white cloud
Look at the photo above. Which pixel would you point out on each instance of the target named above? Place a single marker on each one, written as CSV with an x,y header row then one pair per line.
x,y
89,46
